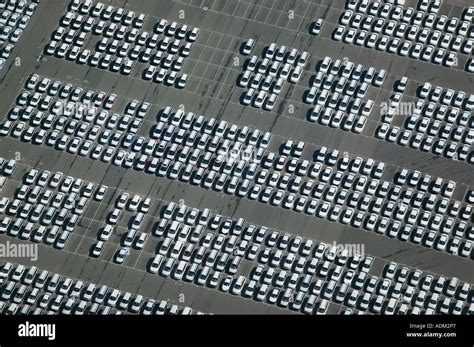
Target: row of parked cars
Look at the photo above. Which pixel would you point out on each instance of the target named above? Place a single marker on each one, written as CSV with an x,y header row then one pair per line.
x,y
47,206
440,121
432,293
14,18
30,290
74,119
338,91
373,204
264,77
113,39
290,271
190,149
284,257
402,30
209,250
132,236
168,166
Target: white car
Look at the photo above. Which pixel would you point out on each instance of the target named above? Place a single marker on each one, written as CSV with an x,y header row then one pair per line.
x,y
439,56
361,38
349,38
346,17
97,249
427,53
451,60
470,66
372,40
425,90
15,36
62,50
7,50
442,242
261,96
339,33
248,46
248,96
245,79
160,76
467,249
149,72
181,81
360,124
121,255
383,43
270,102
316,27
416,51
467,48
155,264
296,74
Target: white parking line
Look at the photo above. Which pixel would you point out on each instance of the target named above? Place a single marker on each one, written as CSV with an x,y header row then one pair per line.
x,y
248,6
259,7
215,3
286,13
198,60
207,67
269,14
320,37
235,8
267,22
330,39
252,20
225,5
229,70
304,18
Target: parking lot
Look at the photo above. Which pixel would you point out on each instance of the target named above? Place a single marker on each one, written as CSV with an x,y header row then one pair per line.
x,y
214,68
14,19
